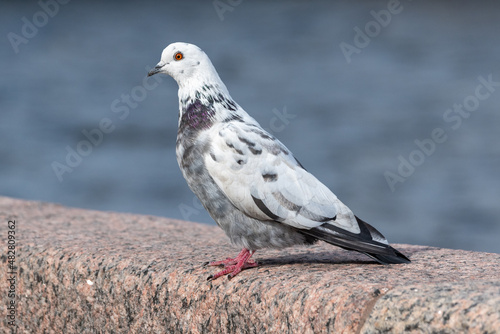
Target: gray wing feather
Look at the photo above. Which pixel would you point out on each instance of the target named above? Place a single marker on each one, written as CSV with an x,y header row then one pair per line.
x,y
260,176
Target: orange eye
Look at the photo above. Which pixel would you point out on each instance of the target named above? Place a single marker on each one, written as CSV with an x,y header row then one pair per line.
x,y
178,56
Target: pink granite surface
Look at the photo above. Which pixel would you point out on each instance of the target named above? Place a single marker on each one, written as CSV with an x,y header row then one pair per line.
x,y
86,271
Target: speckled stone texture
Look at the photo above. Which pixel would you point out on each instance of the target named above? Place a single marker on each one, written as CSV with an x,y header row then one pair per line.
x,y
85,271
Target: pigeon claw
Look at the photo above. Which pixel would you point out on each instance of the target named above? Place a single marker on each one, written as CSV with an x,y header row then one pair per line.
x,y
225,263
233,267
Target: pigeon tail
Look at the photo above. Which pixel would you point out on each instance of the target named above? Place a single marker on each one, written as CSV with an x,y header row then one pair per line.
x,y
395,258
369,241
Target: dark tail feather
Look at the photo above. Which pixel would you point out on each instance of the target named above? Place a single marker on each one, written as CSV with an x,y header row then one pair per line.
x,y
397,257
364,242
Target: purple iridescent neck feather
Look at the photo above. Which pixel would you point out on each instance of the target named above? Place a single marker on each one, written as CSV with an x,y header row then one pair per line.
x,y
198,116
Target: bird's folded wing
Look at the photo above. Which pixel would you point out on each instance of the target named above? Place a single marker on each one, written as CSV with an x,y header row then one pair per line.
x,y
259,175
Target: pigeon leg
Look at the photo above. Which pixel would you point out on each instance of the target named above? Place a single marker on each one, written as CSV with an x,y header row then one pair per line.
x,y
234,266
229,261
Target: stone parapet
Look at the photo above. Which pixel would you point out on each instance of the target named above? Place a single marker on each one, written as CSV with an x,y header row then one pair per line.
x,y
83,271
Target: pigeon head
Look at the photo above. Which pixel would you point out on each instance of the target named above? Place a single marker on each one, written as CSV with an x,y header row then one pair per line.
x,y
187,64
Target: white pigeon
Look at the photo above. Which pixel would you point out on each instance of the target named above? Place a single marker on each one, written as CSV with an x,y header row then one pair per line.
x,y
248,181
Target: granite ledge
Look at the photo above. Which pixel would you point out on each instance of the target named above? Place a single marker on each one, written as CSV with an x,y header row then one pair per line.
x,y
83,271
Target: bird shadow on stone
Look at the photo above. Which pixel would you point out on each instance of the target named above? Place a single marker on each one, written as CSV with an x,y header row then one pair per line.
x,y
315,258
333,257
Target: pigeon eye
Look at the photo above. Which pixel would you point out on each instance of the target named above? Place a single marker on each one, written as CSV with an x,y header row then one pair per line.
x,y
178,56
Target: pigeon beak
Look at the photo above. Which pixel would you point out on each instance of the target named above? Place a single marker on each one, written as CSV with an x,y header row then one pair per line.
x,y
155,70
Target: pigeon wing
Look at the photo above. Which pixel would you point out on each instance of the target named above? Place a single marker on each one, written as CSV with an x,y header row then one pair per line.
x,y
260,176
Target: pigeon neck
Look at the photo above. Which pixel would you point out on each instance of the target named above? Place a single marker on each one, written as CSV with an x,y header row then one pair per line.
x,y
212,94
193,88
196,116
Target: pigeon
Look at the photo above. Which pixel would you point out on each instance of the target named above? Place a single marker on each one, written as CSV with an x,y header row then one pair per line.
x,y
248,181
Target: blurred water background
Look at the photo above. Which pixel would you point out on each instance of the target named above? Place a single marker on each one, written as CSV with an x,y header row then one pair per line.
x,y
349,116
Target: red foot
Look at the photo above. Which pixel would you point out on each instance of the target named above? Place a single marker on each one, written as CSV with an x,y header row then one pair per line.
x,y
234,266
